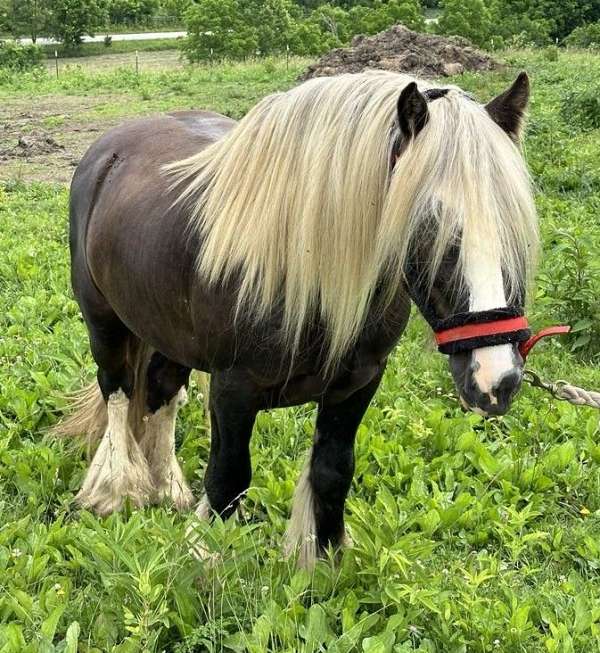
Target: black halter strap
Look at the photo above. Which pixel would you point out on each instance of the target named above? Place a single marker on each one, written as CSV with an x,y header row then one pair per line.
x,y
432,94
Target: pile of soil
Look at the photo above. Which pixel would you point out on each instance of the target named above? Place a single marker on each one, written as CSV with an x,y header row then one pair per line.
x,y
31,144
402,50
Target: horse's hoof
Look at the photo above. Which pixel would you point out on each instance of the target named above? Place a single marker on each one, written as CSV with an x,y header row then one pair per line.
x,y
177,493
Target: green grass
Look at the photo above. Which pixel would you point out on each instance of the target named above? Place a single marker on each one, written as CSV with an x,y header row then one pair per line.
x,y
116,47
469,535
229,88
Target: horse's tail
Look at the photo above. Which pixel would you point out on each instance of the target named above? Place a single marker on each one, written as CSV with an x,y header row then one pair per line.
x,y
88,415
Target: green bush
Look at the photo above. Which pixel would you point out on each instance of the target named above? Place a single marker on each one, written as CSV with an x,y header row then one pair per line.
x,y
19,57
239,28
468,18
586,36
569,290
580,107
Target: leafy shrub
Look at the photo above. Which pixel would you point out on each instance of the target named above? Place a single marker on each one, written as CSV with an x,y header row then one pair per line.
x,y
581,107
571,289
19,57
551,53
585,36
132,11
468,18
239,28
70,20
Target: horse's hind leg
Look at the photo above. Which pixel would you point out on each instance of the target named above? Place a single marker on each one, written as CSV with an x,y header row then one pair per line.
x,y
166,383
118,469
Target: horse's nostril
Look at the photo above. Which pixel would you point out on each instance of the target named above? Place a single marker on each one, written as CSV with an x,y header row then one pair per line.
x,y
507,386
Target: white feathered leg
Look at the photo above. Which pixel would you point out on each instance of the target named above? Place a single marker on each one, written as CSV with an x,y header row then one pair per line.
x,y
158,446
119,468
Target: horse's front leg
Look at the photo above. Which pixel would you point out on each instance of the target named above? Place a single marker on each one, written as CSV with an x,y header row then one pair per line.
x,y
317,519
233,409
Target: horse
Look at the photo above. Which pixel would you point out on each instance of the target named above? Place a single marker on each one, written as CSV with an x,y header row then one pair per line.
x,y
280,254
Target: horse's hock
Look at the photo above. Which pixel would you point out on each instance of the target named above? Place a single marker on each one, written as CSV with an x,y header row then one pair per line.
x,y
402,50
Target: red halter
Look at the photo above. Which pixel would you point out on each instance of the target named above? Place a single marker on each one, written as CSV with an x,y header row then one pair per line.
x,y
497,327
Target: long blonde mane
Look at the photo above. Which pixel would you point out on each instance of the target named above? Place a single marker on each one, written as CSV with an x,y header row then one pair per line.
x,y
300,200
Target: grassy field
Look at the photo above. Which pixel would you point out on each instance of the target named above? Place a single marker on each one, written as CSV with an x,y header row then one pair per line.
x,y
116,47
468,535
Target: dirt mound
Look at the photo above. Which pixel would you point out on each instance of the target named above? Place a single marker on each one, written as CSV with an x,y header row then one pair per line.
x,y
402,50
31,144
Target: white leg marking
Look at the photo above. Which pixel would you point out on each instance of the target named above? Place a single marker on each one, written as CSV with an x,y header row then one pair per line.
x,y
301,534
197,547
484,278
158,445
118,468
203,509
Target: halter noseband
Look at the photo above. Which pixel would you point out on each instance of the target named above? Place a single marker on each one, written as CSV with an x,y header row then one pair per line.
x,y
499,326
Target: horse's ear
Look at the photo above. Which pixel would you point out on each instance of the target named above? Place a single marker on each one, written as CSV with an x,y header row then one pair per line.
x,y
507,110
413,113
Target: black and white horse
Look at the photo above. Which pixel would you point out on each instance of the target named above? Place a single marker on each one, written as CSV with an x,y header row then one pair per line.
x,y
280,254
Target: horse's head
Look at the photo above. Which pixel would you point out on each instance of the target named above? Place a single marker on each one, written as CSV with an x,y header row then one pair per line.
x,y
468,283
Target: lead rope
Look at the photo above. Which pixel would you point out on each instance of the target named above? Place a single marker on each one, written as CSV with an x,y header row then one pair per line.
x,y
565,391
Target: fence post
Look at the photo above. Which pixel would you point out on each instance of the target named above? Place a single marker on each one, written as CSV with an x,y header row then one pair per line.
x,y
56,62
287,56
137,63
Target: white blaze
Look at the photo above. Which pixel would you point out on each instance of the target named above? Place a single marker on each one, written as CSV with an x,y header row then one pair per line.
x,y
483,274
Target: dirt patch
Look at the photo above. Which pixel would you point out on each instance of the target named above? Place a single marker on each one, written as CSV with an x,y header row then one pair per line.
x,y
43,139
32,144
402,50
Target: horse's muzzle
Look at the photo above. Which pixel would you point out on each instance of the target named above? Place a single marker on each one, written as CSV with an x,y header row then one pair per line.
x,y
495,402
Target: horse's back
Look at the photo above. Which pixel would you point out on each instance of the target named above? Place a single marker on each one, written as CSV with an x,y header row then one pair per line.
x,y
128,236
141,147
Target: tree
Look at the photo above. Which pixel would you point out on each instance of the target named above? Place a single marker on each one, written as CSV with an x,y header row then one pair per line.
x,y
272,21
306,37
381,15
539,21
218,28
407,12
24,17
333,23
469,18
70,20
176,8
132,11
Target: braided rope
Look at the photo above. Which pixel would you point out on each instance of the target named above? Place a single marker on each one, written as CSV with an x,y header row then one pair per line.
x,y
565,391
575,395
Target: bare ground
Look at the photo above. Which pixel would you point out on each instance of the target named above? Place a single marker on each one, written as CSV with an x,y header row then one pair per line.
x,y
402,50
43,139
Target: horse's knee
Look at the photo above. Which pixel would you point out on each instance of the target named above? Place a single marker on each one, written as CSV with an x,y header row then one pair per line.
x,y
165,379
332,467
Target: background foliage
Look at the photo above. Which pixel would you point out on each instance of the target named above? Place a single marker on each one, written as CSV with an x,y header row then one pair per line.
x,y
468,535
240,28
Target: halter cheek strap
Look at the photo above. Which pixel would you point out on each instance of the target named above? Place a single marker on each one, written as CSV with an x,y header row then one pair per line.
x,y
467,331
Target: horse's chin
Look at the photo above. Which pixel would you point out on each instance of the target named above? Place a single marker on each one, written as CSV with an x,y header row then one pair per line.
x,y
472,409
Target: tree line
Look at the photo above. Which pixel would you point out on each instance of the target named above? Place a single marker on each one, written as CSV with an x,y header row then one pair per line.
x,y
240,28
